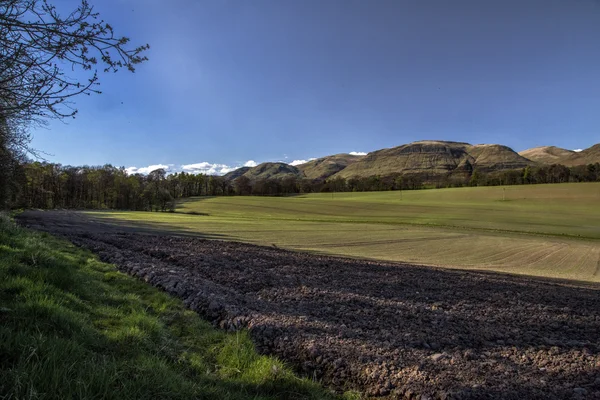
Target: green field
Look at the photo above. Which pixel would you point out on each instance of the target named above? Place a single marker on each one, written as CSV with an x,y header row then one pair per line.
x,y
543,230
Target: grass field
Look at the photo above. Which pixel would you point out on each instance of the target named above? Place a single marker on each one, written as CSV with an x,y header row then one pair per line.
x,y
72,327
543,230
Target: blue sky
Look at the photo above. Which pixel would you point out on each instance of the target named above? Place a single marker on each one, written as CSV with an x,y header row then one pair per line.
x,y
230,81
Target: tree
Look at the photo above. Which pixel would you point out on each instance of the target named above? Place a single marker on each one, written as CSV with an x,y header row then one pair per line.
x,y
474,181
37,46
242,186
527,174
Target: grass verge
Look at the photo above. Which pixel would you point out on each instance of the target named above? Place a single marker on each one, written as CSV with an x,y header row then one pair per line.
x,y
74,327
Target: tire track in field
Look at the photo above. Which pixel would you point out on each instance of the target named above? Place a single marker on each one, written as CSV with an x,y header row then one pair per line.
x,y
393,241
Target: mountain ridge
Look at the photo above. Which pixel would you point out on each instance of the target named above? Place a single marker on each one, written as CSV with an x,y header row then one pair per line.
x,y
429,157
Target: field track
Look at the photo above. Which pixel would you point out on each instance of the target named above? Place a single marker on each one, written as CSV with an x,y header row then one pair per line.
x,y
386,329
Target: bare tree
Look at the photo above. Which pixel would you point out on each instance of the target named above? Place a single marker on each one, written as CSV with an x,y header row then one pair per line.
x,y
38,46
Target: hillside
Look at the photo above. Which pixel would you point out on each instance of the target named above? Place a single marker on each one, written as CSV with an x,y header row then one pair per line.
x,y
435,158
430,157
588,156
547,154
268,170
230,176
323,168
494,157
556,155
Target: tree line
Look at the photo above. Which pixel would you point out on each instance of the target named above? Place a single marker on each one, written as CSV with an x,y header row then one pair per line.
x,y
48,186
555,173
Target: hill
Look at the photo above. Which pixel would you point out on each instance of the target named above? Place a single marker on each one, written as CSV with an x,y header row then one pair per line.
x,y
556,155
230,176
547,154
435,158
323,168
494,157
588,156
268,170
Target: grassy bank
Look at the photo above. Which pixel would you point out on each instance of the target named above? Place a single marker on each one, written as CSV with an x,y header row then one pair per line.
x,y
542,230
74,327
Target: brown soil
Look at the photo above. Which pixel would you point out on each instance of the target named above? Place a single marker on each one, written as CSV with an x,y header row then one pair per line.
x,y
386,329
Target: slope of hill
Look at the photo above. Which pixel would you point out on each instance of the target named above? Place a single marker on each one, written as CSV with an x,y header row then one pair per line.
x,y
430,156
230,176
588,156
268,170
494,157
435,158
324,167
547,154
556,155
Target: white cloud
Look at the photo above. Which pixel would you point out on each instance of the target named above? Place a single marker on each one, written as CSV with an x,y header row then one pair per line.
x,y
577,150
203,167
207,168
148,169
357,153
298,162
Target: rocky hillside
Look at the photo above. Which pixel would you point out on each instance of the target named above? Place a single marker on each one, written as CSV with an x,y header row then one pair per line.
x,y
435,158
323,168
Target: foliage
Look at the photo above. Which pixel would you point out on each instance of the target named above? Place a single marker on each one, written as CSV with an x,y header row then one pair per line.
x,y
74,327
54,186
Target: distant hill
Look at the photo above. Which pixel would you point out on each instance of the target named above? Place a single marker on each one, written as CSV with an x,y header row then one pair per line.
x,y
230,176
588,156
430,157
323,168
556,155
435,158
547,154
269,170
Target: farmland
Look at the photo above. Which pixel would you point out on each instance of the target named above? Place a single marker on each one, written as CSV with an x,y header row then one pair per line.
x,y
542,230
367,327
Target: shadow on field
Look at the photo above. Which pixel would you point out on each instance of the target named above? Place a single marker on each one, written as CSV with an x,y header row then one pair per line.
x,y
73,222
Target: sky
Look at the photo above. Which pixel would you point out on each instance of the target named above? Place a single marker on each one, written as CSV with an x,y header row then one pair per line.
x,y
235,82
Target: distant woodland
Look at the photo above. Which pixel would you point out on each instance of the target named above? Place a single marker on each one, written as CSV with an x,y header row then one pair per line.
x,y
46,185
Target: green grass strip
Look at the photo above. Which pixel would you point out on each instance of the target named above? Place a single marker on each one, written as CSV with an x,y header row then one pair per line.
x,y
72,327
